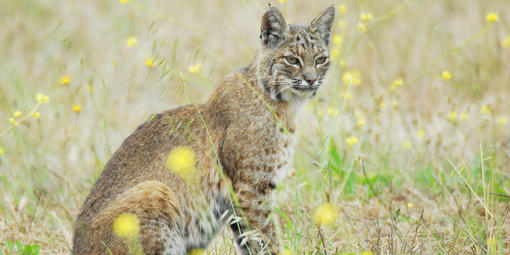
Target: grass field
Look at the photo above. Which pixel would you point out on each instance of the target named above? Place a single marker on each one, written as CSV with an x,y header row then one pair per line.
x,y
409,139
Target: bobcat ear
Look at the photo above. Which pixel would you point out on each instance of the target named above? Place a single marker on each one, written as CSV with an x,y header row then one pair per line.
x,y
273,28
323,23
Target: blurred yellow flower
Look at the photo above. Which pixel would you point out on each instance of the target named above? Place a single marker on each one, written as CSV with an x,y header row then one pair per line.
x,y
123,1
453,116
397,83
420,133
65,79
342,8
361,122
200,251
332,111
347,95
463,116
149,62
341,24
282,1
126,226
195,68
406,144
326,214
90,88
485,110
181,160
501,120
351,77
1,151
446,75
335,53
506,42
41,98
492,17
114,63
76,108
337,39
367,16
351,140
17,114
13,121
410,205
366,253
35,115
362,27
131,41
286,252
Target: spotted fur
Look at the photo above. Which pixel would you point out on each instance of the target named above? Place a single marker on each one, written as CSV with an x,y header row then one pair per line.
x,y
243,137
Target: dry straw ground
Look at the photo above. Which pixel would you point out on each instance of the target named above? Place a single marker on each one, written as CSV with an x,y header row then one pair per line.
x,y
409,138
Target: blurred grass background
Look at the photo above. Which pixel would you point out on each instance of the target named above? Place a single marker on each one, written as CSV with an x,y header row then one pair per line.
x,y
409,137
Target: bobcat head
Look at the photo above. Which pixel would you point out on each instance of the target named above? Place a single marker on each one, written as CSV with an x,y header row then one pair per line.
x,y
293,59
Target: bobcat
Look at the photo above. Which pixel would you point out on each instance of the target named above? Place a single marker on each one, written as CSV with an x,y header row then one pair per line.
x,y
240,143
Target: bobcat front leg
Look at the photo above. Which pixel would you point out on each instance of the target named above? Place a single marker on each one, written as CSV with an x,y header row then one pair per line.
x,y
255,233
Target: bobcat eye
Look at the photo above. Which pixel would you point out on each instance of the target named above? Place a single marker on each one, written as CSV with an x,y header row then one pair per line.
x,y
292,60
320,60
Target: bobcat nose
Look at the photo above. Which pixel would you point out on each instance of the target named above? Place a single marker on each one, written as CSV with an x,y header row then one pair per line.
x,y
310,81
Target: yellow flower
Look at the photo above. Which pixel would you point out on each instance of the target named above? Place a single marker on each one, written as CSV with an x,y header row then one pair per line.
x,y
397,83
200,251
335,53
485,110
351,140
123,1
361,122
366,253
17,114
282,1
492,17
131,41
342,8
195,68
13,121
506,42
286,252
325,215
41,98
332,111
149,62
1,151
337,39
382,105
463,116
501,120
347,95
453,116
420,133
367,16
35,115
362,27
406,144
126,226
65,79
181,160
353,77
76,108
410,205
446,75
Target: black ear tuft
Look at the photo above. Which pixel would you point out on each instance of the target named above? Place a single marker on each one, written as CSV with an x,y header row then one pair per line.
x,y
273,28
323,23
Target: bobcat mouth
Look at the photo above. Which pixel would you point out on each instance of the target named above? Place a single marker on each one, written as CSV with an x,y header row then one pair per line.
x,y
305,88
